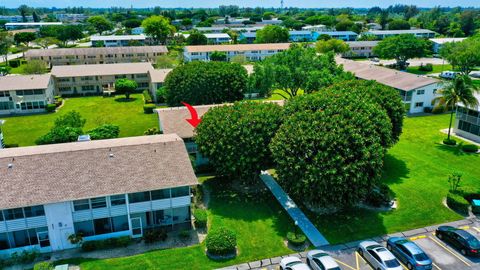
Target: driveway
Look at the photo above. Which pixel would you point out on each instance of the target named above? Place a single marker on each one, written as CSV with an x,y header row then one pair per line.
x,y
415,62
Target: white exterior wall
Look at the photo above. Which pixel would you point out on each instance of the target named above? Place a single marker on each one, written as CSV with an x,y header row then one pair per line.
x,y
60,224
249,55
426,98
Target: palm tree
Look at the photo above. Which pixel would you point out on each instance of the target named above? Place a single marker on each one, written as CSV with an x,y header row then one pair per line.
x,y
460,90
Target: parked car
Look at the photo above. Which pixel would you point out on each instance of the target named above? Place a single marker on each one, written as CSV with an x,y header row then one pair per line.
x,y
319,260
378,256
409,253
293,263
448,75
460,239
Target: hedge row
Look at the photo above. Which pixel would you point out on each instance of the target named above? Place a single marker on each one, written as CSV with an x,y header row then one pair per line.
x,y
221,241
122,241
201,218
147,97
457,202
296,239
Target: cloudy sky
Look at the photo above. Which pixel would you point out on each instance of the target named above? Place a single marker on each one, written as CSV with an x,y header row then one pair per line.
x,y
250,3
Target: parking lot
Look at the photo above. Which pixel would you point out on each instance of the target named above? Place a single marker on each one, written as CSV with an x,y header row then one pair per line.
x,y
444,257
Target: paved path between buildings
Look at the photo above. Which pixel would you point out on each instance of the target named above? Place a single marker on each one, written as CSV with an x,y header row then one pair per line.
x,y
315,237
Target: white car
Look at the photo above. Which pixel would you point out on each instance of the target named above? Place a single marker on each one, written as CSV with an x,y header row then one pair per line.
x,y
449,75
319,260
293,263
378,256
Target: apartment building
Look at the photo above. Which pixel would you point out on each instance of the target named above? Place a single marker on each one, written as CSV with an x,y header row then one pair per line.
x,y
94,79
420,33
35,25
220,29
467,121
251,52
71,17
157,78
117,41
439,42
23,94
133,184
88,56
214,38
15,18
417,92
2,144
360,49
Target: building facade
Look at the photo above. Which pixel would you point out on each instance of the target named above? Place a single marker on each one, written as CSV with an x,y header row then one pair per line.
x,y
214,38
360,49
438,43
118,41
25,94
2,144
87,56
420,33
32,25
251,52
111,200
467,122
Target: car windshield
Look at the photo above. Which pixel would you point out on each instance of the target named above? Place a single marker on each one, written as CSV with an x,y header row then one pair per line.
x,y
421,257
392,263
290,264
473,242
336,268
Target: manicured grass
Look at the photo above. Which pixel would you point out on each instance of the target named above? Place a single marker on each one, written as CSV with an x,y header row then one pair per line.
x,y
259,222
24,130
436,69
416,169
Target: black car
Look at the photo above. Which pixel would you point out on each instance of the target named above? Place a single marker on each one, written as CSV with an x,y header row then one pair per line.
x,y
462,240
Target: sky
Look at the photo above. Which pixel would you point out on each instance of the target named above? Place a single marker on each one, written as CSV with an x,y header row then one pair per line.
x,y
241,3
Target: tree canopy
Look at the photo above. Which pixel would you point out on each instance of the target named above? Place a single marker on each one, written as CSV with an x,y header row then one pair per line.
x,y
272,34
100,23
235,138
332,45
464,55
401,48
125,86
158,27
196,38
24,37
206,83
398,25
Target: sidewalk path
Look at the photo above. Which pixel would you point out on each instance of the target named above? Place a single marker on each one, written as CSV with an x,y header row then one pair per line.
x,y
315,237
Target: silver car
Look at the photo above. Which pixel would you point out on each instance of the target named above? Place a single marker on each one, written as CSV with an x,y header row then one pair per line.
x,y
319,260
293,263
378,256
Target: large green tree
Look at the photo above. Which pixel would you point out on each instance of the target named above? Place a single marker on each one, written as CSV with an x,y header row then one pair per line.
x,y
24,37
272,34
401,48
196,38
235,138
159,28
206,83
296,69
329,152
66,128
464,55
460,90
126,87
6,41
332,45
398,25
100,23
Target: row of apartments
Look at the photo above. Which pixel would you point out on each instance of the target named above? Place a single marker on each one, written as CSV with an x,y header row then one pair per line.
x,y
467,121
29,25
132,185
251,52
88,56
382,34
304,36
118,41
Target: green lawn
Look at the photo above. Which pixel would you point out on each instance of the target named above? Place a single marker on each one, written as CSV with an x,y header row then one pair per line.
x,y
259,222
24,130
436,69
416,169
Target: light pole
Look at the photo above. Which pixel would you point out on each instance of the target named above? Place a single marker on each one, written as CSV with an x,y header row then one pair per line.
x,y
296,228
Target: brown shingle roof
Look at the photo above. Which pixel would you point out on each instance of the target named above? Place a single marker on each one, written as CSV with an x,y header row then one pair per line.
x,y
101,69
238,47
70,171
24,82
96,51
173,120
394,78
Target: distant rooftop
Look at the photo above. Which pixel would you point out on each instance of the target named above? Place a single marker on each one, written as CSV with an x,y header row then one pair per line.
x,y
24,82
95,51
446,40
101,69
158,75
32,23
397,32
238,47
121,37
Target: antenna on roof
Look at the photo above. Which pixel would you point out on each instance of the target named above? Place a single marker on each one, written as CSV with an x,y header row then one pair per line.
x,y
154,150
10,165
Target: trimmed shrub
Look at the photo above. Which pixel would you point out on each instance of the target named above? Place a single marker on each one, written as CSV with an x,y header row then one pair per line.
x,y
106,131
470,193
449,142
122,241
89,246
185,234
25,256
427,109
296,239
58,101
50,107
155,235
470,148
457,202
147,97
201,218
148,108
152,131
161,95
221,241
439,109
428,67
43,266
14,63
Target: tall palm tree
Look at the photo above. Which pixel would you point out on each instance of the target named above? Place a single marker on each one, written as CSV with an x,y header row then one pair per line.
x,y
460,90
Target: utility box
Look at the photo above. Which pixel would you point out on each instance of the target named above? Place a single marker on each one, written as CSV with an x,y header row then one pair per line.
x,y
476,206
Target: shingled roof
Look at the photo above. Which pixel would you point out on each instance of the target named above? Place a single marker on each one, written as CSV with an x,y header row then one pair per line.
x,y
95,51
63,172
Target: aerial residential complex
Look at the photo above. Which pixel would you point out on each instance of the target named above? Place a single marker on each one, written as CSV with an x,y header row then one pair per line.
x,y
117,41
360,49
251,52
417,92
421,33
85,56
21,25
467,122
132,185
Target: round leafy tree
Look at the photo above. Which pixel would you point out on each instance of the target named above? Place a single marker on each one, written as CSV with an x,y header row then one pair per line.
x,y
329,151
221,241
125,86
206,83
235,138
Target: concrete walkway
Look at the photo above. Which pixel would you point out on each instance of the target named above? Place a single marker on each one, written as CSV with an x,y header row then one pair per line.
x,y
315,237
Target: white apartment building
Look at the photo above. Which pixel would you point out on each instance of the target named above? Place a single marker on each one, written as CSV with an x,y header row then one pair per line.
x,y
420,33
132,185
21,25
438,42
117,41
251,52
22,94
214,38
360,49
467,121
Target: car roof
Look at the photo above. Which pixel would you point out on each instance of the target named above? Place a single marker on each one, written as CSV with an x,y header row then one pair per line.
x,y
328,261
384,254
464,234
412,247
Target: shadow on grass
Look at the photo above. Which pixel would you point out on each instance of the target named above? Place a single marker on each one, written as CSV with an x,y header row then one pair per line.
x,y
453,149
395,171
124,99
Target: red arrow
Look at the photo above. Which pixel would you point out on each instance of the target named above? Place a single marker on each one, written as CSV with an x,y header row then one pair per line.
x,y
194,121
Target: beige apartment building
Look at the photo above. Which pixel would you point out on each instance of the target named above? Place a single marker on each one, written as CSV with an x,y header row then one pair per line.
x,y
94,79
102,55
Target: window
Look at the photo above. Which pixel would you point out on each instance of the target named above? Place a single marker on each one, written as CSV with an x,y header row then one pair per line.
x,y
4,241
65,89
20,238
418,104
91,56
5,94
11,214
120,76
180,191
63,79
117,200
435,91
141,75
143,85
84,227
86,78
120,223
420,92
34,211
139,197
1,213
6,105
100,202
160,194
102,226
88,88
79,205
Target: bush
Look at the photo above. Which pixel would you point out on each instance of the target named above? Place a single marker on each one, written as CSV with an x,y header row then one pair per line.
x,y
201,218
14,63
25,256
58,101
449,142
122,241
161,95
152,131
439,109
43,266
155,235
427,109
51,107
470,148
148,108
89,246
147,97
106,131
428,67
221,241
470,193
457,202
296,239
185,234
379,197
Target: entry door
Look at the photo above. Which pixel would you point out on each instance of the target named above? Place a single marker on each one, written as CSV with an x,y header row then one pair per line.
x,y
137,230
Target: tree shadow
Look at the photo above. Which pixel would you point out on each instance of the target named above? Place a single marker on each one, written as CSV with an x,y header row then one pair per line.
x,y
394,170
124,99
452,149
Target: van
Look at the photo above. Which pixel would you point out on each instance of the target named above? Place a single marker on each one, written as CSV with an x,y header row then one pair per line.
x,y
448,75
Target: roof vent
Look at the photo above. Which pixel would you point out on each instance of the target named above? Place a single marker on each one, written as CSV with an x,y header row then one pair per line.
x,y
111,155
10,165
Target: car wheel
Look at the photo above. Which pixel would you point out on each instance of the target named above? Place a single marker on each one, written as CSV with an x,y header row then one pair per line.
x,y
464,252
389,247
409,266
281,268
